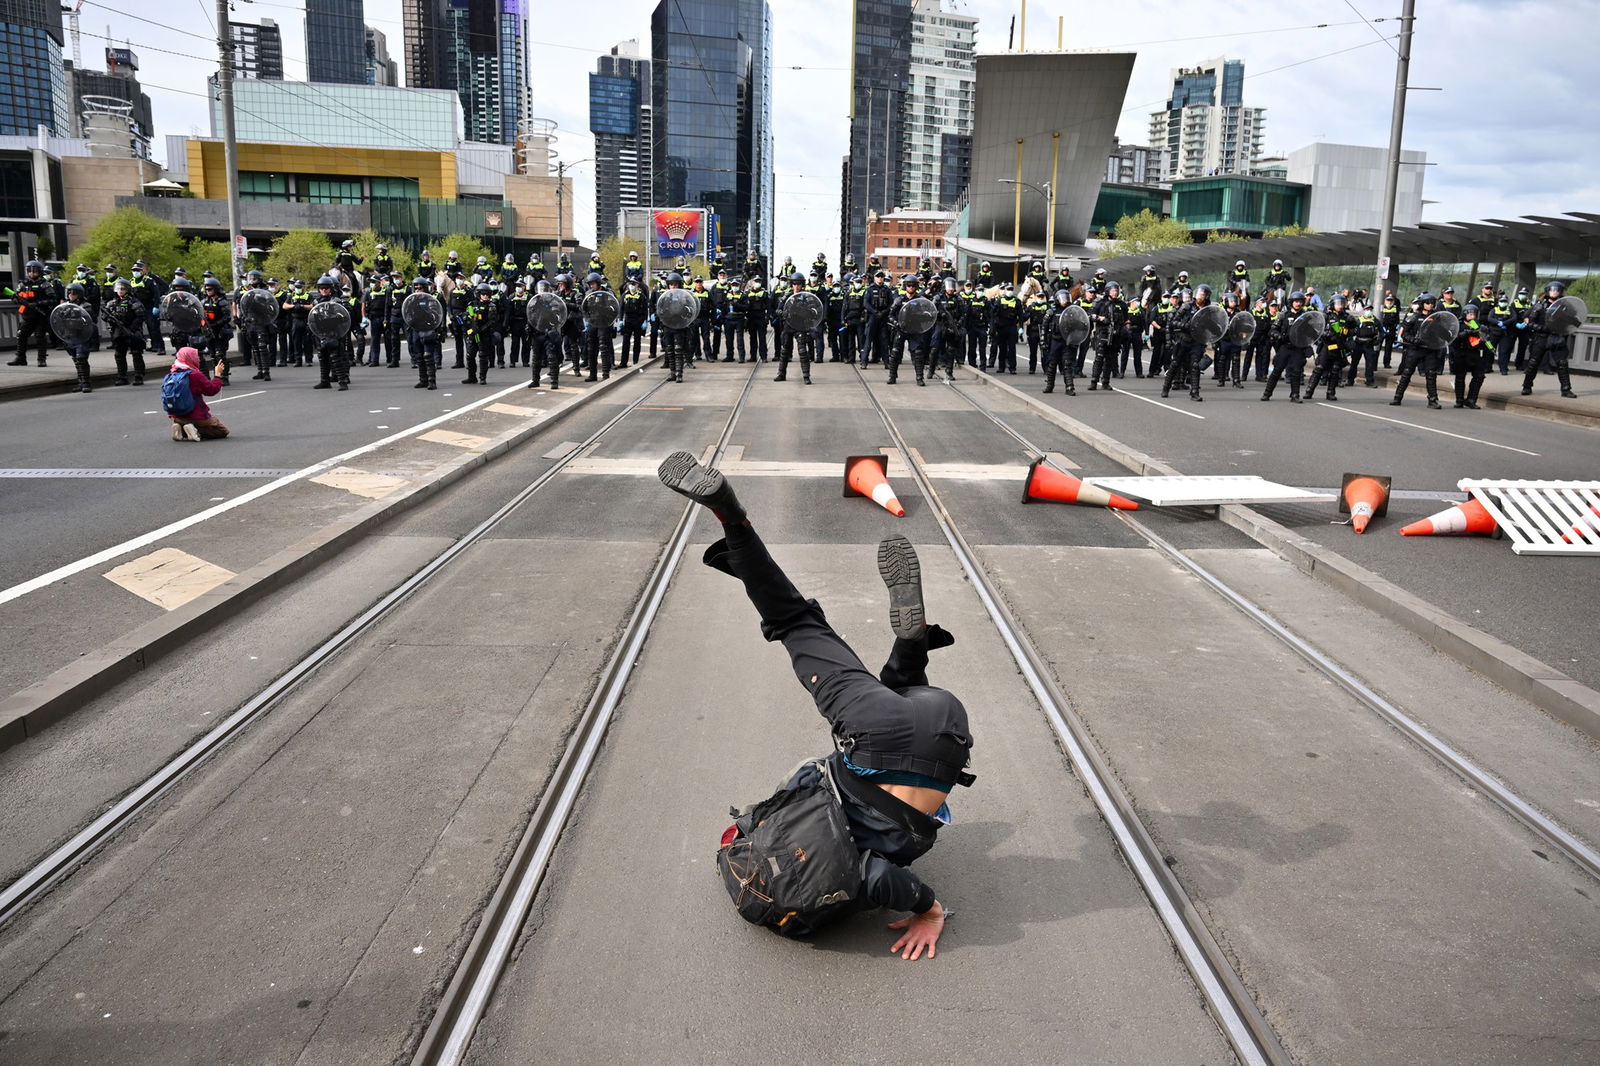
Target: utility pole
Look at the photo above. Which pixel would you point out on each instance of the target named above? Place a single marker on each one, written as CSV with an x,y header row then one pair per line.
x,y
1397,120
230,143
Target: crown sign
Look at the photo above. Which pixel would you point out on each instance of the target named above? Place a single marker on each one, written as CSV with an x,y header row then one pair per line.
x,y
677,229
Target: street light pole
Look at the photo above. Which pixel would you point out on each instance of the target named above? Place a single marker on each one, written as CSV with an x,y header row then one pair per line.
x,y
230,143
561,212
1391,185
1048,191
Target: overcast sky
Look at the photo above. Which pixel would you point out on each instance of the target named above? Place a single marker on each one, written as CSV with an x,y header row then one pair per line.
x,y
1510,132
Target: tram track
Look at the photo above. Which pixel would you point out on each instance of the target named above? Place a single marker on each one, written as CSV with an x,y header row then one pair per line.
x,y
43,874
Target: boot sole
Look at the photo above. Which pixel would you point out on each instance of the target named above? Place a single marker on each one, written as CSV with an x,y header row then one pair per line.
x,y
685,476
901,571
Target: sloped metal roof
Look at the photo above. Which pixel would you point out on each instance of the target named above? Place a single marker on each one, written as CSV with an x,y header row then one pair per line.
x,y
1571,237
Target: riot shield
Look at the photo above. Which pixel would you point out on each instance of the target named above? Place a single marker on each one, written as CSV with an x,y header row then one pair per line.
x,y
1241,328
917,316
1566,315
258,308
600,308
1072,324
677,309
547,313
72,323
1438,330
422,312
1208,324
182,311
802,312
329,320
1304,331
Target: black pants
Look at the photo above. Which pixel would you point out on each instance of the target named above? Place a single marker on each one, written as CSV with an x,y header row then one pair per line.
x,y
1429,361
733,337
757,329
1005,361
1186,359
1366,355
598,343
1468,366
34,330
1058,360
919,357
847,694
808,354
1133,345
1330,367
632,342
122,347
1290,363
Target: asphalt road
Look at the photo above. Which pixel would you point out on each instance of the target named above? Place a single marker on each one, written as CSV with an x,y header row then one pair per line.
x,y
1542,605
303,898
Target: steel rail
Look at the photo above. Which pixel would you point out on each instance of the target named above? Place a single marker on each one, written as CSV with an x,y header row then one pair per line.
x,y
466,998
1233,1008
1547,829
59,862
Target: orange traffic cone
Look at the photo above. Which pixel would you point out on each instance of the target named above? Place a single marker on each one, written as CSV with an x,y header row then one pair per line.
x,y
1364,497
864,475
1045,483
1469,517
1586,529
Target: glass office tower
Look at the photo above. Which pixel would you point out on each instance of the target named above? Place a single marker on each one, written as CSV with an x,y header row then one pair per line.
x,y
711,77
33,78
880,76
336,46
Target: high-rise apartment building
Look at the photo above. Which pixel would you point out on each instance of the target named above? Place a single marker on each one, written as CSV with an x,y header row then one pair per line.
x,y
380,69
33,69
119,82
711,104
620,119
938,107
1206,129
335,42
1132,164
257,50
478,48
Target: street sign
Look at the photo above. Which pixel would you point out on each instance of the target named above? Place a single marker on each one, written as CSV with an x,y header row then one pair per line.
x,y
1383,267
240,247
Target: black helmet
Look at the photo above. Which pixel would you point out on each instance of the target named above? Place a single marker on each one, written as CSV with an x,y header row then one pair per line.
x,y
182,285
1298,295
326,281
675,278
420,283
1113,288
1337,301
483,289
1470,310
213,283
1203,289
255,275
594,278
1555,287
1425,298
75,288
34,267
122,285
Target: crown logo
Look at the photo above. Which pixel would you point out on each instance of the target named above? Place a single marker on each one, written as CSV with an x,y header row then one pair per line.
x,y
677,229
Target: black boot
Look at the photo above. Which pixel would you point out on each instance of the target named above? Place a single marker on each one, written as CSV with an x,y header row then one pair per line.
x,y
1565,379
902,574
704,485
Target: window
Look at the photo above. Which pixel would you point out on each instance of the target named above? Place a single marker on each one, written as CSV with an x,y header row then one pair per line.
x,y
256,185
330,190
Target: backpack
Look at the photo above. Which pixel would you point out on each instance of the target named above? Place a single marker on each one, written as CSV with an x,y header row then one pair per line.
x,y
789,862
176,396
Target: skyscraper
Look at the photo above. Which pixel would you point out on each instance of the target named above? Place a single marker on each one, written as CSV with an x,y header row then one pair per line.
x,y
380,69
880,74
257,50
479,49
336,48
120,81
1206,129
938,108
32,68
711,78
620,119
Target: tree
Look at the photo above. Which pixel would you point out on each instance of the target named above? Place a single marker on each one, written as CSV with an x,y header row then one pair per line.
x,y
467,247
301,253
1218,236
1293,229
613,252
1587,289
127,235
1148,232
202,255
367,242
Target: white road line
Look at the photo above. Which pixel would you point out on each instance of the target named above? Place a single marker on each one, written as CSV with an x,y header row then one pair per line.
x,y
237,396
1158,403
1426,429
79,565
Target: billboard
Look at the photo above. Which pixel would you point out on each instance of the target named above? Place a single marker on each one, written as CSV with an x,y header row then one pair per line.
x,y
679,232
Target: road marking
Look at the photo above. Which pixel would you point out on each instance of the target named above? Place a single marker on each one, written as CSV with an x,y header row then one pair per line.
x,y
133,544
513,409
135,472
1158,403
167,577
455,440
1427,429
361,482
239,396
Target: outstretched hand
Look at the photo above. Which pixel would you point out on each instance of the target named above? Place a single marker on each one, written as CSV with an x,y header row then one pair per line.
x,y
918,931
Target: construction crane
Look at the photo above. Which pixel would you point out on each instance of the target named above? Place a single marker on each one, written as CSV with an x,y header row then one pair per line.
x,y
77,41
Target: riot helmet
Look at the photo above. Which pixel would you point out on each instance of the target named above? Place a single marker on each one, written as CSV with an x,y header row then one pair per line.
x,y
1113,289
34,269
674,280
594,278
76,289
1555,289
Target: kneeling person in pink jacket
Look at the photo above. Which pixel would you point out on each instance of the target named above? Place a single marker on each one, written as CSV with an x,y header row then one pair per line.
x,y
199,423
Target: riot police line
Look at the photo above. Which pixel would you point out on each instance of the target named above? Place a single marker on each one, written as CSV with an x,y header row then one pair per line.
x,y
496,316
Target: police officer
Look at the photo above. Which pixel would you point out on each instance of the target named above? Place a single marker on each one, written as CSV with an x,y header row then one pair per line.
x,y
534,270
635,313
597,336
546,344
717,305
456,304
1005,314
877,301
1333,348
423,344
733,317
516,320
1521,309
633,270
383,263
1278,278
1259,354
1107,319
1368,335
1469,358
1389,322
217,324
333,356
1230,356
483,322
1059,355
1290,359
78,352
346,260
974,325
833,320
675,342
852,314
1553,348
955,315
805,339
1429,359
378,298
757,312
1160,315
1239,280
1086,301
148,290
36,297
919,343
258,338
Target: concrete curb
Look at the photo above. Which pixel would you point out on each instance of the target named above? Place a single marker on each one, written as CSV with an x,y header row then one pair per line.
x,y
103,377
1546,404
26,713
1515,671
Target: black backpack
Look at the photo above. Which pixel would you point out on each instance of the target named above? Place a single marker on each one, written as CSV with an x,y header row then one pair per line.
x,y
789,862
